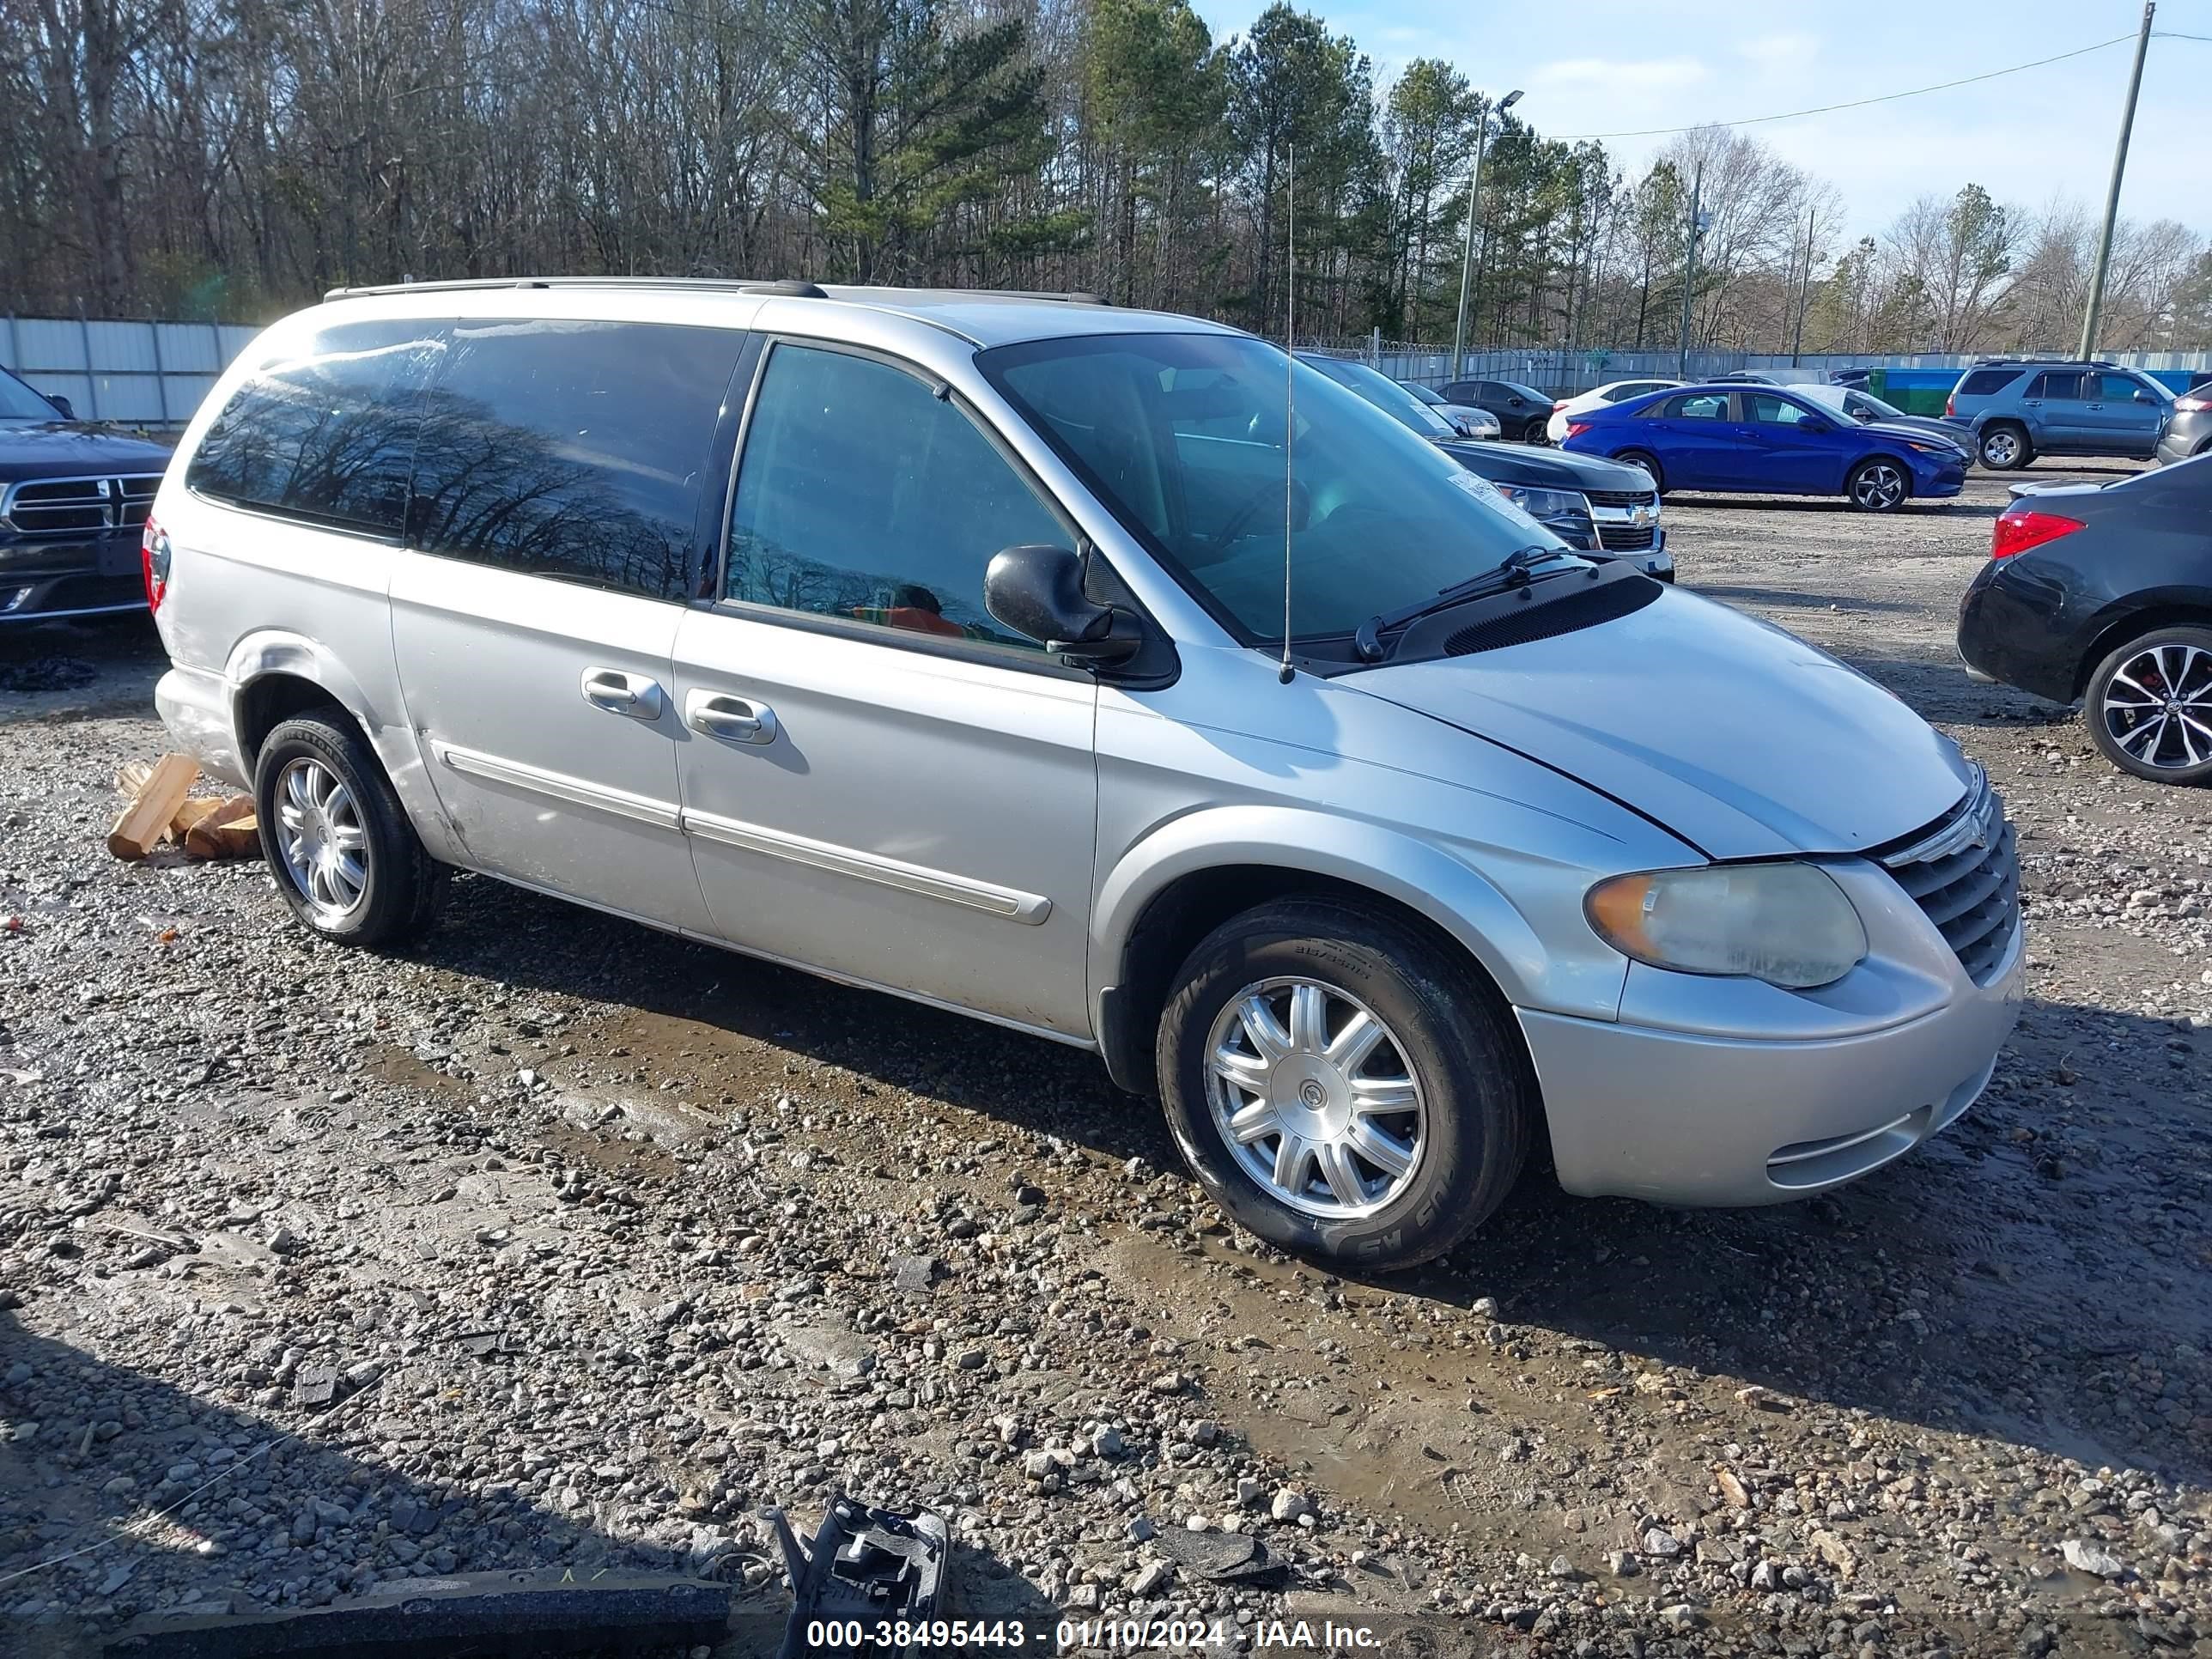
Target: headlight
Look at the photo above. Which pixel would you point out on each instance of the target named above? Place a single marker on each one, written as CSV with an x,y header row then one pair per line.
x,y
1788,924
1949,450
1546,503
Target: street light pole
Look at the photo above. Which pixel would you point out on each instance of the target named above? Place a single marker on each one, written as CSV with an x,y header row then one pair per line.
x,y
1473,200
1690,270
2112,196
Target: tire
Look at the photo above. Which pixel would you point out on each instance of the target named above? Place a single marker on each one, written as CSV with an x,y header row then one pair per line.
x,y
1878,485
2004,446
2166,674
317,772
1649,462
1447,1044
1535,433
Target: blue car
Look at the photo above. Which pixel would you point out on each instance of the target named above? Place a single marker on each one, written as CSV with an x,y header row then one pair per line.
x,y
1769,441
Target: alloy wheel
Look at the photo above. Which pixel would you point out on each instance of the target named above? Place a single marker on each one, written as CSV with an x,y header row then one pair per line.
x,y
1314,1098
1880,485
2158,707
2000,448
322,837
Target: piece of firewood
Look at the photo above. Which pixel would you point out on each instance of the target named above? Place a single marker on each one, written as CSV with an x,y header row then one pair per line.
x,y
130,777
190,813
146,820
241,838
228,832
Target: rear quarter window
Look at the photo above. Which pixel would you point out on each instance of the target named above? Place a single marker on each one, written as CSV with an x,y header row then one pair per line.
x,y
572,450
325,431
1986,382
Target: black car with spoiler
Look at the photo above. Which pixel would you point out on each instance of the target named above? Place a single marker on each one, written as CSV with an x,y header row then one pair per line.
x,y
73,502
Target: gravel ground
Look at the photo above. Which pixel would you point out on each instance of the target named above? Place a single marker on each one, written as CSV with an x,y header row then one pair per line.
x,y
560,1244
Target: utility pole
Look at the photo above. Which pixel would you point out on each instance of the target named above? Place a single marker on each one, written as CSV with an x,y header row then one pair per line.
x,y
1473,206
1804,291
1690,270
2112,196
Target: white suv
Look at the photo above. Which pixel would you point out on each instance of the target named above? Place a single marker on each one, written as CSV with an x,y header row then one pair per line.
x,y
937,643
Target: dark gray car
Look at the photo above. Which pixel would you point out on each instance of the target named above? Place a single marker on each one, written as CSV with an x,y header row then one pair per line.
x,y
2189,428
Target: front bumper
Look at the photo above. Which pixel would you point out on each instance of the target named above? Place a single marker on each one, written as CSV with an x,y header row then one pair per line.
x,y
1679,1117
42,581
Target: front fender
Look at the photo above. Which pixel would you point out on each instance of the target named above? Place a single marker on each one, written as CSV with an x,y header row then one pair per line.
x,y
1419,874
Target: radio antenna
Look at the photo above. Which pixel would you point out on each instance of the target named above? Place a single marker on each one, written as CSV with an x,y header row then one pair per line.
x,y
1290,405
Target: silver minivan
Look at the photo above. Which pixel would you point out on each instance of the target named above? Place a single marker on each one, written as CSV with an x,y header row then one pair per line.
x,y
1105,675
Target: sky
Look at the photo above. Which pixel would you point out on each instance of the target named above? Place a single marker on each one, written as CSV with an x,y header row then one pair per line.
x,y
1604,66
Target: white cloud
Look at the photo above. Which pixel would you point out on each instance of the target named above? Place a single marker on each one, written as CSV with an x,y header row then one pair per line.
x,y
1606,77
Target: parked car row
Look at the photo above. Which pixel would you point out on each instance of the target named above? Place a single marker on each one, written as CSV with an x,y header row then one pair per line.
x,y
1593,506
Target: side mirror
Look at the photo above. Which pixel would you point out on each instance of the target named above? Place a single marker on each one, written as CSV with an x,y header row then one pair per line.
x,y
1037,590
2143,397
68,408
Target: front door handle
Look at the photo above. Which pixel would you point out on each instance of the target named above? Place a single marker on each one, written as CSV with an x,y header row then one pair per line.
x,y
638,696
728,719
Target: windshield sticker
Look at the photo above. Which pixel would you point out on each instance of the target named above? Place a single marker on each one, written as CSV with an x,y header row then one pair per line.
x,y
1489,495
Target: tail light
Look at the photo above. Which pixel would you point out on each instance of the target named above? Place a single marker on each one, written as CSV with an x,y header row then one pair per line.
x,y
1559,403
2019,528
1951,407
154,560
1576,429
2195,403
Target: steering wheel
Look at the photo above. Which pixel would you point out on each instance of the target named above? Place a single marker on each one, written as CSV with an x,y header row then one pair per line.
x,y
1301,509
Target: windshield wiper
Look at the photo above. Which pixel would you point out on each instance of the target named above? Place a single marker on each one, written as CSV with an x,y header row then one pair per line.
x,y
1509,572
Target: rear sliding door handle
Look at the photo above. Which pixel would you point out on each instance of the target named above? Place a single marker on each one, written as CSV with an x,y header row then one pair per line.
x,y
638,696
730,720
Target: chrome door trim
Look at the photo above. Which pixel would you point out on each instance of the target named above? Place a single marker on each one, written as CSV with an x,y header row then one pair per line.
x,y
577,791
1010,903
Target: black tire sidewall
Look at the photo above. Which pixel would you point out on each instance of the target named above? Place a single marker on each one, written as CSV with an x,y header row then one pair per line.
x,y
1470,1088
390,904
2093,701
1650,462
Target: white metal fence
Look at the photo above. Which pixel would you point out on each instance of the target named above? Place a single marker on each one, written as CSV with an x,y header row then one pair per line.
x,y
148,373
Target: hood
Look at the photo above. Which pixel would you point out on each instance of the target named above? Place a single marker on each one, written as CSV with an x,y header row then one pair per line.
x,y
66,449
1739,738
1545,468
1917,428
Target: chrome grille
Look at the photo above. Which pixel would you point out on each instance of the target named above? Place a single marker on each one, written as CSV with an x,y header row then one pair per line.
x,y
1964,872
79,506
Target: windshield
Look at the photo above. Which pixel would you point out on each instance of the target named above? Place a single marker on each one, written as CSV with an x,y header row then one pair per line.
x,y
1387,395
1433,399
19,402
1181,436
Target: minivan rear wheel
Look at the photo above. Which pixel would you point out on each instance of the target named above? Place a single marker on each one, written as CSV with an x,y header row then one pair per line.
x,y
1343,1086
337,840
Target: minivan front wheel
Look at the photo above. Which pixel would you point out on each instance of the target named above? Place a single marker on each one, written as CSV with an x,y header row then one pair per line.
x,y
335,837
1342,1086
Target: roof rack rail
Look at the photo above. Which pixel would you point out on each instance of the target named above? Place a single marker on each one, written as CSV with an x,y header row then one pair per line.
x,y
731,284
797,286
2052,357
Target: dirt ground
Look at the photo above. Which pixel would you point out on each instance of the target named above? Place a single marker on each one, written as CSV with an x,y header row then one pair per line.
x,y
560,1243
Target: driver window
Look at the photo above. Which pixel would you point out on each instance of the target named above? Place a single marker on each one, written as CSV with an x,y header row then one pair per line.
x,y
864,496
